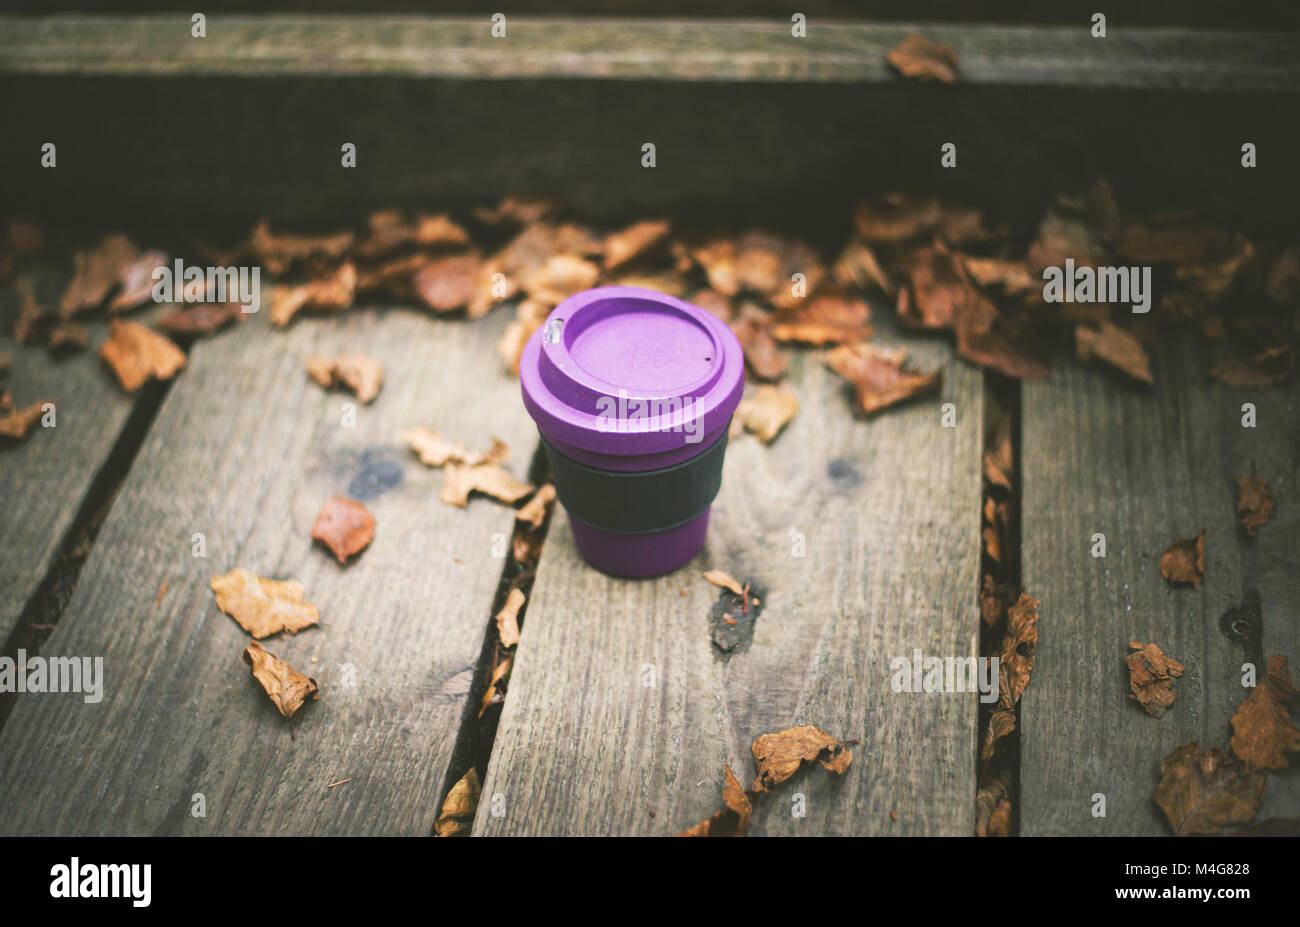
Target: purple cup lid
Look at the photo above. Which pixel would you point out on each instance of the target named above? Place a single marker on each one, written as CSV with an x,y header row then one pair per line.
x,y
626,371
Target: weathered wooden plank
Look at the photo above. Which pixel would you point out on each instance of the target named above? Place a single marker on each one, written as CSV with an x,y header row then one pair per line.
x,y
1145,468
710,50
45,479
888,511
244,450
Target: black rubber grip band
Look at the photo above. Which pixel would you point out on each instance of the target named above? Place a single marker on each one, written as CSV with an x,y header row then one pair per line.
x,y
638,501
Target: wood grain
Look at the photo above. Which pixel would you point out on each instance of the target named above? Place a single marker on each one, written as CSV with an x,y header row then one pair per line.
x,y
1146,467
888,510
45,479
244,450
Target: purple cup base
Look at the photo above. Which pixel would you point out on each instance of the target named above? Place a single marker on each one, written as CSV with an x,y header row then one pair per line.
x,y
636,556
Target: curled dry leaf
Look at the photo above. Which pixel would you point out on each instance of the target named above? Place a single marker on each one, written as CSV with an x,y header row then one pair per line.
x,y
287,688
938,288
390,230
277,253
724,580
508,618
136,281
1254,502
763,357
18,424
1015,664
263,607
1151,678
920,59
434,450
732,820
138,354
459,480
362,374
634,242
345,526
714,302
518,210
328,294
1184,561
895,218
1115,347
457,814
534,511
993,807
999,460
448,283
1262,731
777,757
200,319
1202,791
1267,368
878,376
558,278
1012,277
826,318
96,272
858,266
529,316
766,411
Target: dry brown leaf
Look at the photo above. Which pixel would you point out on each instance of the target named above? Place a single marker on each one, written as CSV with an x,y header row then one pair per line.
x,y
529,316
826,318
732,820
938,288
136,281
389,230
508,619
18,424
1184,561
719,578
766,411
763,357
898,217
1115,347
434,450
67,337
263,607
287,688
634,241
518,210
32,317
858,266
1267,368
200,319
138,354
328,294
993,807
766,264
1201,791
1254,502
920,59
459,480
448,283
277,253
878,376
362,374
1151,678
1015,664
345,526
999,459
1262,731
457,814
714,302
777,757
558,278
1012,277
96,272
534,511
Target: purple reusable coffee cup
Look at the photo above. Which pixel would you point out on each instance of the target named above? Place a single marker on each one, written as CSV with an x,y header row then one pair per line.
x,y
633,391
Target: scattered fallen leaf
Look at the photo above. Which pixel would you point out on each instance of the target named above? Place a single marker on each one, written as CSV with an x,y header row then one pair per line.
x,y
1254,502
764,358
136,281
1184,561
434,450
732,820
1115,347
878,376
278,253
390,230
766,411
263,607
558,278
993,807
457,814
529,316
1262,731
826,318
1015,664
999,459
138,354
1151,678
448,283
1269,367
518,210
634,242
287,688
508,618
1201,791
777,757
95,273
362,374
920,59
330,294
67,337
858,266
345,526
534,511
200,319
459,480
18,424
714,302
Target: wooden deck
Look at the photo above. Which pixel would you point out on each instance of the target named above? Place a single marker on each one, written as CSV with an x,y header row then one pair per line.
x,y
861,537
